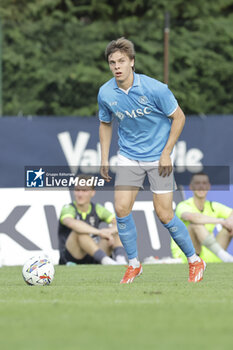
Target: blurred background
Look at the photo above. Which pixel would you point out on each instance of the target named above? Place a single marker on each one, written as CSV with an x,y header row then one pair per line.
x,y
51,67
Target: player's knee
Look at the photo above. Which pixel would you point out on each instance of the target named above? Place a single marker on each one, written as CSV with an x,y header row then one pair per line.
x,y
84,238
165,216
73,237
122,209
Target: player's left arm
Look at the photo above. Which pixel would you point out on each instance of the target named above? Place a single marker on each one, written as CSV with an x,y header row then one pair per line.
x,y
225,213
108,217
178,121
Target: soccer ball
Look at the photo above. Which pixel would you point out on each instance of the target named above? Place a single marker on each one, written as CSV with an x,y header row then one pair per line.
x,y
38,271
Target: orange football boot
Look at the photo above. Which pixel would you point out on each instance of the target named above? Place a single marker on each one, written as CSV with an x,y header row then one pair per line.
x,y
196,271
131,273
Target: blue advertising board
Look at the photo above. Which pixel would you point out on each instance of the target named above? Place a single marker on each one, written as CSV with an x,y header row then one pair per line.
x,y
28,219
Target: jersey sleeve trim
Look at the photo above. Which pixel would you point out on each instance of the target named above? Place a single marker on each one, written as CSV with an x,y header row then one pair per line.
x,y
104,121
110,218
68,211
173,111
66,216
103,213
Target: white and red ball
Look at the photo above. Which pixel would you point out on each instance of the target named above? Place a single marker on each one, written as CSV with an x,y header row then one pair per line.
x,y
38,271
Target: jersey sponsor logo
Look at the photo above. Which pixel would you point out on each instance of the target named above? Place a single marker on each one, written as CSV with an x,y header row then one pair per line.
x,y
143,99
138,112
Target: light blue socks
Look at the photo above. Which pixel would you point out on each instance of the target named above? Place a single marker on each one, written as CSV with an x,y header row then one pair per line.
x,y
128,235
180,234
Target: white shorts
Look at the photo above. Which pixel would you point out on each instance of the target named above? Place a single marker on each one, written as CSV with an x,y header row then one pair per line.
x,y
132,173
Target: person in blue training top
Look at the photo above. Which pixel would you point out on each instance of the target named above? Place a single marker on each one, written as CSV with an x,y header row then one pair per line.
x,y
150,122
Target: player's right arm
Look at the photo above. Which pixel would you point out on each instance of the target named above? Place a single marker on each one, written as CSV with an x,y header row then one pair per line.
x,y
226,213
105,135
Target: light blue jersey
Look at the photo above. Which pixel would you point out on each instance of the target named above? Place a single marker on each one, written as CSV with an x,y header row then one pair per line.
x,y
144,126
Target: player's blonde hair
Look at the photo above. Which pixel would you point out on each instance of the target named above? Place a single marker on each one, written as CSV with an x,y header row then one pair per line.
x,y
123,45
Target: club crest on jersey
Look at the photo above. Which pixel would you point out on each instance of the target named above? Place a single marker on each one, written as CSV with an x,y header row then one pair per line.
x,y
143,99
92,220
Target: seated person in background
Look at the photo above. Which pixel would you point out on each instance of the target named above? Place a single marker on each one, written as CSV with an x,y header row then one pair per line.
x,y
201,216
80,239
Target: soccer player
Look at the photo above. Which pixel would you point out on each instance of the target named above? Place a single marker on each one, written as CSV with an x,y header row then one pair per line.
x,y
200,216
80,239
150,122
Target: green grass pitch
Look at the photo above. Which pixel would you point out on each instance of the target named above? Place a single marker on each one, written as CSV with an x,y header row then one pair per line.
x,y
86,308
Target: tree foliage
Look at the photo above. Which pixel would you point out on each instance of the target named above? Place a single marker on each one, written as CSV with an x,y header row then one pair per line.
x,y
53,52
